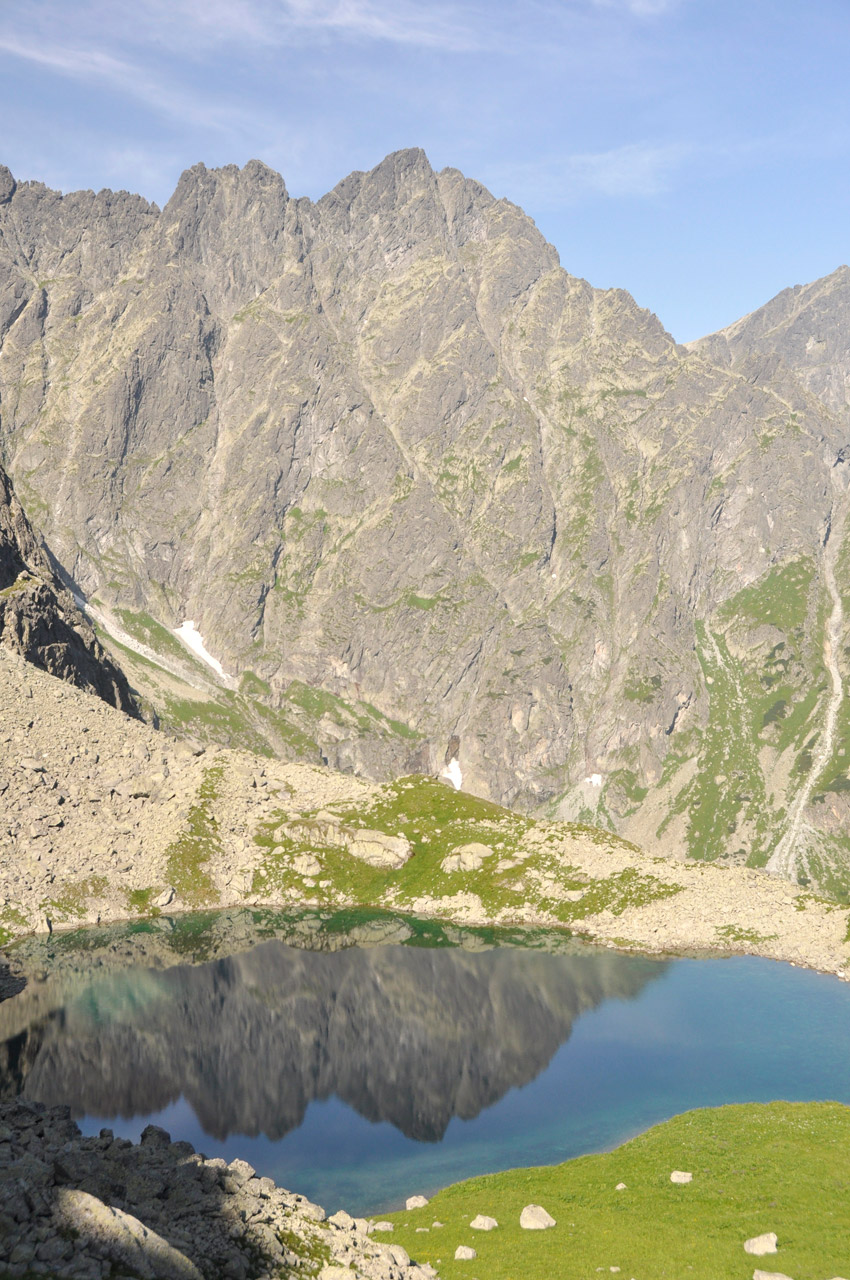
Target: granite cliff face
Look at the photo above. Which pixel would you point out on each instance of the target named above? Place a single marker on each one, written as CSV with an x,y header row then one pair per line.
x,y
38,616
383,448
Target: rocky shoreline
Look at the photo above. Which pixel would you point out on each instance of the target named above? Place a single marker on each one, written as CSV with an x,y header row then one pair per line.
x,y
103,1208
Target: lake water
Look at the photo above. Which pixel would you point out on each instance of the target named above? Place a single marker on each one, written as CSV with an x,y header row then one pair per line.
x,y
359,1075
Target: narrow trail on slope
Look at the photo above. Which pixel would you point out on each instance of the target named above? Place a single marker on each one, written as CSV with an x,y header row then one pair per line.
x,y
785,861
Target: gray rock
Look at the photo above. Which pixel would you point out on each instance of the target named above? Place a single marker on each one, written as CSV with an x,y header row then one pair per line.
x,y
379,849
467,857
763,1244
482,1223
415,1202
38,616
120,1238
535,1218
463,1253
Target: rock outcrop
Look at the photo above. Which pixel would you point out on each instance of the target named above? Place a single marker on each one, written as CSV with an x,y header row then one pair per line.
x,y
38,616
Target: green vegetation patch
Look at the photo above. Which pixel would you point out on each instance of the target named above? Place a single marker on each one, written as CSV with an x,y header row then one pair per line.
x,y
782,1167
186,858
71,898
734,934
145,629
436,821
779,599
139,901
12,922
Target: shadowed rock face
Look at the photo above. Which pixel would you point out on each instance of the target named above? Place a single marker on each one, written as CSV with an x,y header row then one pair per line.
x,y
38,617
410,1035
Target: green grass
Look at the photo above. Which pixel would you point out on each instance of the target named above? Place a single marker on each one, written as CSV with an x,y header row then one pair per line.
x,y
436,819
728,787
186,857
782,1167
139,901
71,899
12,922
780,599
144,628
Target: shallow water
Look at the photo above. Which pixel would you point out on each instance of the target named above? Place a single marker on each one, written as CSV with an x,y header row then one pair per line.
x,y
359,1075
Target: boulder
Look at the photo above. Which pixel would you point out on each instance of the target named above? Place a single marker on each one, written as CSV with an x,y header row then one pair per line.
x,y
164,898
379,849
467,857
681,1178
463,1253
770,1275
120,1238
760,1245
306,864
535,1218
415,1202
482,1223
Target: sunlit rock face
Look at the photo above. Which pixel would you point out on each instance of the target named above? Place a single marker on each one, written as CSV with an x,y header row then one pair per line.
x,y
385,445
409,1035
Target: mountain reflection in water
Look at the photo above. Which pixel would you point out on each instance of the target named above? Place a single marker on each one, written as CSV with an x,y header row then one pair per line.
x,y
405,1034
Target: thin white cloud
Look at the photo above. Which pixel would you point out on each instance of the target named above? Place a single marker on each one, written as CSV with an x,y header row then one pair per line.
x,y
636,170
188,27
640,8
126,77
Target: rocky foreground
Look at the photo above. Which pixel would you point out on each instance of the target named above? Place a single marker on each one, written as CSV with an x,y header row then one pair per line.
x,y
98,1208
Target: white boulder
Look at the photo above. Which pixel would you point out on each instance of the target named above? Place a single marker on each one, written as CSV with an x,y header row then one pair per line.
x,y
760,1245
535,1218
482,1223
680,1177
306,864
415,1202
463,1253
379,849
467,857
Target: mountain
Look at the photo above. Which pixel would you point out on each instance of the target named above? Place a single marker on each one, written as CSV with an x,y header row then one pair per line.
x,y
395,463
38,616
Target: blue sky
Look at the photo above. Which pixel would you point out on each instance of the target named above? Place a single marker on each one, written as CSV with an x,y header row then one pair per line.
x,y
694,152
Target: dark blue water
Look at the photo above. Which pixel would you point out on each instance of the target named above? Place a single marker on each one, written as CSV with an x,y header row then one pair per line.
x,y
570,1055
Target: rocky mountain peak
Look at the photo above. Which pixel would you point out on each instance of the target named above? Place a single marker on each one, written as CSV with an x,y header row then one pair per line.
x,y
383,447
7,184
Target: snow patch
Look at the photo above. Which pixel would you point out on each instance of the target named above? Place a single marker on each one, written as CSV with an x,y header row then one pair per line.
x,y
595,779
453,774
191,636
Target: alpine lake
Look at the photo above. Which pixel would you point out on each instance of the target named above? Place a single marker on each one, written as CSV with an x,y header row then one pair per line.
x,y
360,1058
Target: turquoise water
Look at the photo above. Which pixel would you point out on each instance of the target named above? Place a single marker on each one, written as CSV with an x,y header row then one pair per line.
x,y
365,1075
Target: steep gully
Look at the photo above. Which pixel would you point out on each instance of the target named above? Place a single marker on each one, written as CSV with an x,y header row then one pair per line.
x,y
786,858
